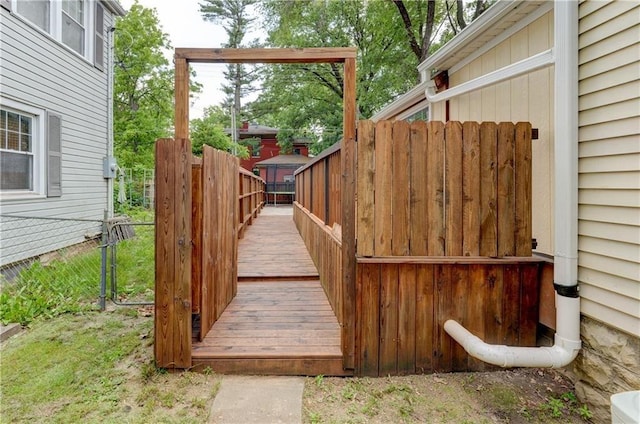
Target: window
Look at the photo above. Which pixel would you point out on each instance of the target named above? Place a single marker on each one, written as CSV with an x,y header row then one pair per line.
x,y
30,143
297,151
16,151
37,12
73,24
69,22
255,151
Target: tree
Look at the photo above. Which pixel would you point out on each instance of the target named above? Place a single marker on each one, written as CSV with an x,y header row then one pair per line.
x,y
234,16
424,20
209,130
308,98
143,87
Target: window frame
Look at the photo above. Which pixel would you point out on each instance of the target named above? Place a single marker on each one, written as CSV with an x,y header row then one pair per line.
x,y
56,22
38,146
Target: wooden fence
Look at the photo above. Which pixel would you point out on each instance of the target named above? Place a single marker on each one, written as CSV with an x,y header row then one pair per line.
x,y
202,207
430,189
443,230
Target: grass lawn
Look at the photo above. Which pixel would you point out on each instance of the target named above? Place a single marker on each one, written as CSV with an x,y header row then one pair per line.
x,y
96,368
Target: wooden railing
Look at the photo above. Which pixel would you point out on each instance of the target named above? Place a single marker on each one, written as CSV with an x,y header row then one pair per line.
x,y
252,189
317,215
318,186
202,207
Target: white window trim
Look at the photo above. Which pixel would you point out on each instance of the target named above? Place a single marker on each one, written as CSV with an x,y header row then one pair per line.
x,y
39,152
55,26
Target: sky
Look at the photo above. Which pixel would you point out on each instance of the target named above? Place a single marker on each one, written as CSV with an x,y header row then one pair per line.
x,y
182,21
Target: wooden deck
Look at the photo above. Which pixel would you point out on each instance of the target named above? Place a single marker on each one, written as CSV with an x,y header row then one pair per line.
x,y
280,322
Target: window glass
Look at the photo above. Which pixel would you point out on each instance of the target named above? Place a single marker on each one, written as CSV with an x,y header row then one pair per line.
x,y
73,25
37,11
16,157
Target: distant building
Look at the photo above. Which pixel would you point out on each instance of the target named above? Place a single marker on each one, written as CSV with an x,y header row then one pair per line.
x,y
268,147
277,172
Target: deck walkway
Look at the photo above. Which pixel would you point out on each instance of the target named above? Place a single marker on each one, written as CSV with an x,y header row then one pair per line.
x,y
280,322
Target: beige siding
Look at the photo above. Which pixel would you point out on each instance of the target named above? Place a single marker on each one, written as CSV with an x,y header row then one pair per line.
x,y
525,98
609,164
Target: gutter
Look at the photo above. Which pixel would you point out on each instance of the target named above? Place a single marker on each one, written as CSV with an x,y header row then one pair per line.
x,y
567,339
525,66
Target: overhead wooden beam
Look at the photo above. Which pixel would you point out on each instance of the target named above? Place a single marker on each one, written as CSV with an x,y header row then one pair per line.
x,y
291,55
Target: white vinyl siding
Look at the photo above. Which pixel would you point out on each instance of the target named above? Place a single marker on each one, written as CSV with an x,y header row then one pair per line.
x,y
525,98
41,72
609,164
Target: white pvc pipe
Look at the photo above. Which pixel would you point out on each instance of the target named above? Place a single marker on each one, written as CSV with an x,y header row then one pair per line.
x,y
567,339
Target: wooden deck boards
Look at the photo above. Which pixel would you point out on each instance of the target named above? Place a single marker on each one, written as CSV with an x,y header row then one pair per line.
x,y
280,322
273,249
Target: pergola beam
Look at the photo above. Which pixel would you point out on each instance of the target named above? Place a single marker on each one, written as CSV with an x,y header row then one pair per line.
x,y
291,55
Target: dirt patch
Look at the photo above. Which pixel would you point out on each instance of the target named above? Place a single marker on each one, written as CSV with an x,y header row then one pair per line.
x,y
513,396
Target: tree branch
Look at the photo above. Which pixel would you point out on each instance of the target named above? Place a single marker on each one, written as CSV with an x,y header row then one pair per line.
x,y
404,14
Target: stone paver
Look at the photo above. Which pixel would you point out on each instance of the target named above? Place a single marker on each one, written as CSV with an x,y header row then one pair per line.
x,y
259,400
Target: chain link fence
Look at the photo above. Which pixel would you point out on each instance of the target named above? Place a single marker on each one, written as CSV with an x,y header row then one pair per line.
x,y
135,188
50,266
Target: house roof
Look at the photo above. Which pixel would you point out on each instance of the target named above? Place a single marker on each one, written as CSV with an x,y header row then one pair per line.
x,y
256,129
499,17
114,7
297,160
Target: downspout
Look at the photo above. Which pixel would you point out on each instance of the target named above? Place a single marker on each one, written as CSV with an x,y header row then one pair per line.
x,y
567,339
110,148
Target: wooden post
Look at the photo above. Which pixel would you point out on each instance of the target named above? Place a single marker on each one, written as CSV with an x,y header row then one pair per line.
x,y
348,212
182,98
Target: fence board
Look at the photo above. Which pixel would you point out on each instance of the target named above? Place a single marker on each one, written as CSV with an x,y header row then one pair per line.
x,y
368,341
453,204
418,189
383,188
407,285
460,299
388,363
523,189
196,253
425,296
506,189
435,189
471,189
365,177
442,308
488,190
400,188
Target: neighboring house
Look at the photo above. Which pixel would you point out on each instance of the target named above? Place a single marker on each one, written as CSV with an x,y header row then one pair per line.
x,y
56,120
277,172
516,63
268,146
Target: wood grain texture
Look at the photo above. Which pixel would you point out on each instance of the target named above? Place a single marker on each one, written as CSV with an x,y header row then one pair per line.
x,y
506,211
454,233
401,150
418,189
255,55
471,189
348,187
388,360
181,81
488,190
365,188
262,329
383,183
435,189
523,191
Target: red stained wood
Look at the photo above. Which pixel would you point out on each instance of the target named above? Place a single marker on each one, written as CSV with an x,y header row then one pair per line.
x,y
388,362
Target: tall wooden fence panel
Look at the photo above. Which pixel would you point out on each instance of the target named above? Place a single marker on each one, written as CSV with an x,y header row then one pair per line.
x,y
172,322
202,206
435,189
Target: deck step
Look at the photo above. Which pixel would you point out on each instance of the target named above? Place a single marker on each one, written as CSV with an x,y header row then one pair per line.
x,y
248,278
272,366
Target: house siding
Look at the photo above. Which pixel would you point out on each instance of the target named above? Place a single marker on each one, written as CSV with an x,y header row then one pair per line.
x,y
525,98
39,71
609,163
